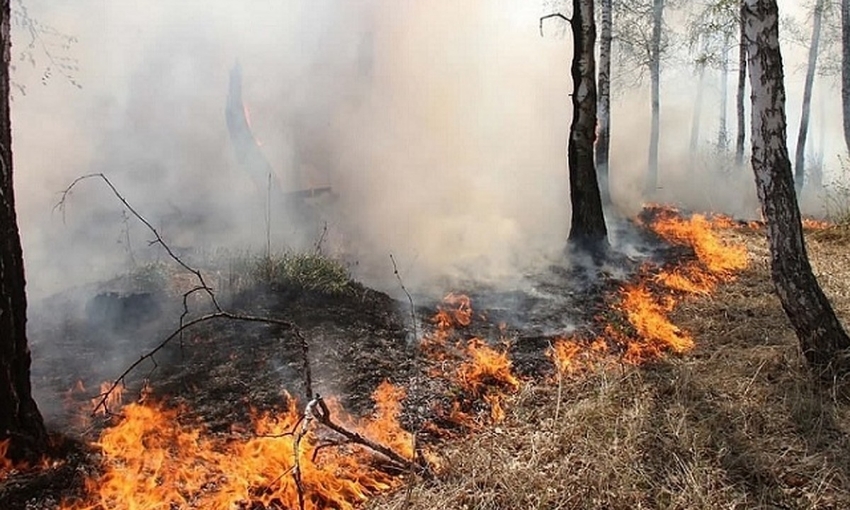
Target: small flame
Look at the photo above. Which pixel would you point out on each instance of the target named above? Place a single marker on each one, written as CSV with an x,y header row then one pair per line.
x,y
483,372
112,398
812,224
6,464
485,367
655,332
565,355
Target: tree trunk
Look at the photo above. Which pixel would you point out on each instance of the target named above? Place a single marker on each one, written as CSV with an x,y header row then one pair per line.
x,y
845,68
723,132
800,154
822,339
20,420
696,120
588,231
603,143
741,137
655,86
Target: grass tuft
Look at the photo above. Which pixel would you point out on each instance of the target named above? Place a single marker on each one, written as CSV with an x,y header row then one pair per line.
x,y
304,271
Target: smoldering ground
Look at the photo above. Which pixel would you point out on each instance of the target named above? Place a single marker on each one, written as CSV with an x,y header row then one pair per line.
x,y
440,127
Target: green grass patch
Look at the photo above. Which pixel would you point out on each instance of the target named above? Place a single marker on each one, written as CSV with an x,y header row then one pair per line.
x,y
306,271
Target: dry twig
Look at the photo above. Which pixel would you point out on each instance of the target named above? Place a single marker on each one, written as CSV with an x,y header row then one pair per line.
x,y
323,415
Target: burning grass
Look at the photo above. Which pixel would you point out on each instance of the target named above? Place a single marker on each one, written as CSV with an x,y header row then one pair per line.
x,y
738,423
151,459
593,440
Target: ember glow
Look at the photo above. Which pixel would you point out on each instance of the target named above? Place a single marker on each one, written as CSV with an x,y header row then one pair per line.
x,y
153,460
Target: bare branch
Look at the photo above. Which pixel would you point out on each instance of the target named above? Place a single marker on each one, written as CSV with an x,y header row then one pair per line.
x,y
553,15
202,286
209,317
409,298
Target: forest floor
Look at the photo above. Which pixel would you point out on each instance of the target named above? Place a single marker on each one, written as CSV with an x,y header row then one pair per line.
x,y
736,422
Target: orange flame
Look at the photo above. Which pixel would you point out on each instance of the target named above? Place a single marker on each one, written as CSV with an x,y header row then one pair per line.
x,y
6,464
698,232
482,371
485,367
812,224
651,332
114,399
565,355
152,460
655,332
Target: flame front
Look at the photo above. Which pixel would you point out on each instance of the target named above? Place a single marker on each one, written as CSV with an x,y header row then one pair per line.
x,y
152,461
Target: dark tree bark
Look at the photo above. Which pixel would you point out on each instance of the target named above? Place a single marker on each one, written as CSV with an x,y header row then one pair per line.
x,y
845,68
603,143
802,134
587,231
655,92
741,137
822,339
20,420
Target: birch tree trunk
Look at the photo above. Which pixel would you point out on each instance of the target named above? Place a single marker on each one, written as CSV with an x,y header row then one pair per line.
x,y
822,340
20,420
655,86
723,132
802,134
587,231
696,120
741,137
603,143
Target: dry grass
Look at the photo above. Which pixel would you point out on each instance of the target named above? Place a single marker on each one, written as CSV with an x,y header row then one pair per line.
x,y
737,423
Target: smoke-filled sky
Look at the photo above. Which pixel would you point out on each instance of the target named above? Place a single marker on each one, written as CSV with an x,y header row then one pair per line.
x,y
440,126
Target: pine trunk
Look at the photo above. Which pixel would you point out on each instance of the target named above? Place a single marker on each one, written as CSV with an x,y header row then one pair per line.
x,y
603,143
20,420
588,231
822,339
741,137
802,134
655,86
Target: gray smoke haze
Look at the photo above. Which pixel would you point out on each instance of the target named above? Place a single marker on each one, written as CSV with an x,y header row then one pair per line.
x,y
441,126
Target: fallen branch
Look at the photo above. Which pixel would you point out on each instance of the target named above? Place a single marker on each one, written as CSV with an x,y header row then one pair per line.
x,y
309,414
323,415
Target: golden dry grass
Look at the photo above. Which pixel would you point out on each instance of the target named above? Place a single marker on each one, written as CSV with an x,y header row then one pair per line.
x,y
736,423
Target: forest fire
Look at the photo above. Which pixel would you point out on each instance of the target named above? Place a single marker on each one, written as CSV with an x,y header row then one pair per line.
x,y
154,457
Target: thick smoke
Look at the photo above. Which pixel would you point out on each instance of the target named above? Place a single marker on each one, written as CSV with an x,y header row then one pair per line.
x,y
440,127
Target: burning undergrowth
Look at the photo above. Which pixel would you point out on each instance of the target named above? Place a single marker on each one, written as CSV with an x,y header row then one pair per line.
x,y
226,421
